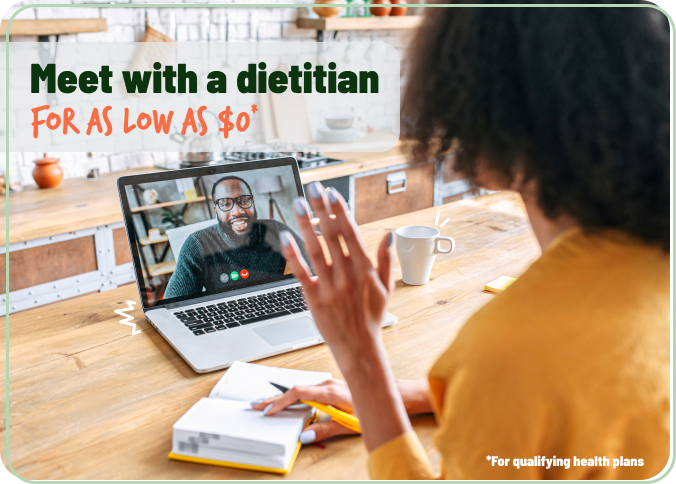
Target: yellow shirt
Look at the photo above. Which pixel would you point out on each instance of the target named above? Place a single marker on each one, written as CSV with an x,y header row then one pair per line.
x,y
572,361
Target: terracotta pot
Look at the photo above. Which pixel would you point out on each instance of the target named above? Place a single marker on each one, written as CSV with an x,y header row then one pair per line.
x,y
47,172
398,11
380,11
327,11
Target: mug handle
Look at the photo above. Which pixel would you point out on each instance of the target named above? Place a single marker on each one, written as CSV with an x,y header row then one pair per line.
x,y
437,247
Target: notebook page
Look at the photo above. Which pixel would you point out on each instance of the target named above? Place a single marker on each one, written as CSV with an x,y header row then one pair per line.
x,y
215,424
247,382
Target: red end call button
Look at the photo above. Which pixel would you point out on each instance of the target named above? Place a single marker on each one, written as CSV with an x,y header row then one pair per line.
x,y
244,273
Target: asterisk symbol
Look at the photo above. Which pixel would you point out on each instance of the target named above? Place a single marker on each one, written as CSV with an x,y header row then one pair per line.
x,y
254,108
488,457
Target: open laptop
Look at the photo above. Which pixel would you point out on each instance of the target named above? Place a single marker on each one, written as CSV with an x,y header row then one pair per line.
x,y
213,281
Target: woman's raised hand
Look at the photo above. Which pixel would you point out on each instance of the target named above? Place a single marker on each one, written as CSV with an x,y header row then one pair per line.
x,y
348,300
349,296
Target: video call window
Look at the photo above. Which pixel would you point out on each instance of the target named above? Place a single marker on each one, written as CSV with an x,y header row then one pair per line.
x,y
207,235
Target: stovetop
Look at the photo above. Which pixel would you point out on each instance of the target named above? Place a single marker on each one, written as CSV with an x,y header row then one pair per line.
x,y
306,159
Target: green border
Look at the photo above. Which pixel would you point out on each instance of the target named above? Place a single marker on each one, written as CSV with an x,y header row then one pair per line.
x,y
265,5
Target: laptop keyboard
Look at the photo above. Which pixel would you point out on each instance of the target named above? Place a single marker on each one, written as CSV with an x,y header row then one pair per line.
x,y
247,310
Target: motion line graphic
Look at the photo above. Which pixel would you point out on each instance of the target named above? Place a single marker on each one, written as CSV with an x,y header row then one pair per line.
x,y
127,317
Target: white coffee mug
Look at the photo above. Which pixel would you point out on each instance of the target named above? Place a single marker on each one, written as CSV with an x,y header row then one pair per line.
x,y
417,247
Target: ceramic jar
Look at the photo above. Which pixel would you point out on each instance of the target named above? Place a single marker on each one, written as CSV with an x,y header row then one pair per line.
x,y
327,11
380,11
398,11
47,172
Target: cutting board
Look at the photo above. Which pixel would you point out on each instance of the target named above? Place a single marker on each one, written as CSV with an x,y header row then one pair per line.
x,y
289,115
156,47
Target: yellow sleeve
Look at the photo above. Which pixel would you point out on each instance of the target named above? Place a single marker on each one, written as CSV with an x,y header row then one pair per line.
x,y
402,458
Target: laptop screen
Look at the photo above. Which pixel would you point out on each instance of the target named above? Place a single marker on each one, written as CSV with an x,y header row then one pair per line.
x,y
212,230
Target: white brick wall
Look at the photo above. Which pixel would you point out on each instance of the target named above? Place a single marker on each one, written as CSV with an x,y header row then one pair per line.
x,y
182,24
27,14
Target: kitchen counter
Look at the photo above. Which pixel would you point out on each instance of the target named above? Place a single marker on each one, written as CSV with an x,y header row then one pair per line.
x,y
79,204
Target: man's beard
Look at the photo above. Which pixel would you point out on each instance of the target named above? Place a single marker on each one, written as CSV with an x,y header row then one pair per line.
x,y
227,229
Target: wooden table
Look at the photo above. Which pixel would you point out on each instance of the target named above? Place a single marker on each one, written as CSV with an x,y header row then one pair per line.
x,y
87,400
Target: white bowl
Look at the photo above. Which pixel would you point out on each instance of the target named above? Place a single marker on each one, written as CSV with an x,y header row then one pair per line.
x,y
339,122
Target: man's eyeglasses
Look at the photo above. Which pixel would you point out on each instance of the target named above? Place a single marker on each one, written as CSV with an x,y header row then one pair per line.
x,y
226,204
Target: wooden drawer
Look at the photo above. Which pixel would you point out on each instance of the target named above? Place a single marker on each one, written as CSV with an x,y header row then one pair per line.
x,y
373,202
47,263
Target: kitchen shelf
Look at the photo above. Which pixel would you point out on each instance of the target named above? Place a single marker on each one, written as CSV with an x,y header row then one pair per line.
x,y
146,241
360,23
54,26
145,208
162,268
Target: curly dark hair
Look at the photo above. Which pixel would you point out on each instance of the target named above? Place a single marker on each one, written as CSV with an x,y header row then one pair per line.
x,y
579,97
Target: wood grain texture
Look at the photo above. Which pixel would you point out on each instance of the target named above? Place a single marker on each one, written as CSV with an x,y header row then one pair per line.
x,y
79,204
372,202
54,26
46,263
88,400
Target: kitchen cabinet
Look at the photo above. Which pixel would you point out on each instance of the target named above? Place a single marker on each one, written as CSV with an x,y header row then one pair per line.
x,y
47,263
392,193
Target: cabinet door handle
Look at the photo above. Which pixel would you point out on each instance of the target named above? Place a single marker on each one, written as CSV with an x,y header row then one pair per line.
x,y
396,182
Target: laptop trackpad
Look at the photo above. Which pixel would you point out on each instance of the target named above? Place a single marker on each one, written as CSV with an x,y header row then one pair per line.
x,y
287,331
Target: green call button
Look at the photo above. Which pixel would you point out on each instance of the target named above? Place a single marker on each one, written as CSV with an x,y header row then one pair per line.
x,y
234,275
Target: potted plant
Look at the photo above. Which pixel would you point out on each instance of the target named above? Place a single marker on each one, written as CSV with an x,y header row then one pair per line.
x,y
172,218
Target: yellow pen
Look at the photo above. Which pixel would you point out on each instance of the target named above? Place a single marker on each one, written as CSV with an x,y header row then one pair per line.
x,y
345,419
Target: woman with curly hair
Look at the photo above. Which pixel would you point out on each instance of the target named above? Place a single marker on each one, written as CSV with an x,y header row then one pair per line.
x,y
569,107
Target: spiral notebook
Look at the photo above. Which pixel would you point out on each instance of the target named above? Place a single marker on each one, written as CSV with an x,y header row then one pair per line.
x,y
224,430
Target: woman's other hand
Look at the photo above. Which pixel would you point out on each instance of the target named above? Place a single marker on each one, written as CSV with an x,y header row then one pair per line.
x,y
331,392
334,392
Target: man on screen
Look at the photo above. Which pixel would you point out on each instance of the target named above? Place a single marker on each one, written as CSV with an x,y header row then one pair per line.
x,y
239,247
